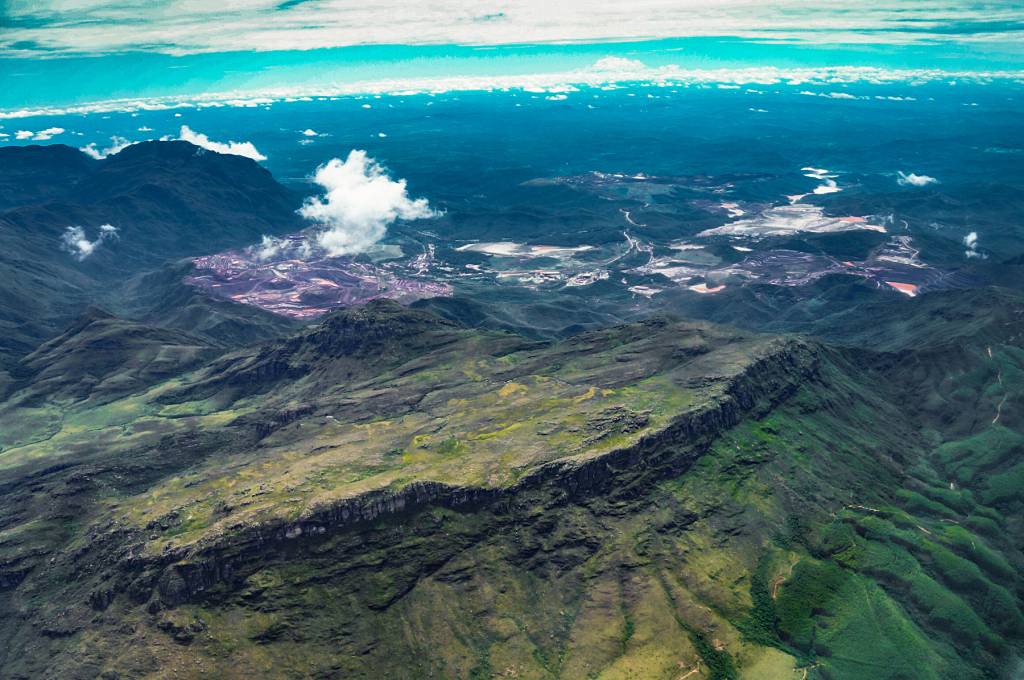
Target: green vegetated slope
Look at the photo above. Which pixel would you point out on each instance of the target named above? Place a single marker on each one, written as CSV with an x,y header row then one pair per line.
x,y
387,494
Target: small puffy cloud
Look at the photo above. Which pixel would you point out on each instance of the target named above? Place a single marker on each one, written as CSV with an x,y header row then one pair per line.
x,y
116,145
246,149
971,241
47,134
75,241
815,173
913,180
23,134
360,202
309,134
271,248
829,187
145,128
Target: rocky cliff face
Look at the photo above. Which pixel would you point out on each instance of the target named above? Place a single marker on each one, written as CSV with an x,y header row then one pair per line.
x,y
122,575
649,500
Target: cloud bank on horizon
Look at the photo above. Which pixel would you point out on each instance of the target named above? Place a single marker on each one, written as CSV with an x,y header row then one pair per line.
x,y
186,26
529,45
605,73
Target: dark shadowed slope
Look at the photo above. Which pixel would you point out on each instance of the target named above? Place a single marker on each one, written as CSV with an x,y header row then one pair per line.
x,y
101,357
167,200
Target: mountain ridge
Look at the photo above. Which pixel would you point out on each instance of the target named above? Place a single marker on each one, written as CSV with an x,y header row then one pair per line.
x,y
192,487
167,200
177,553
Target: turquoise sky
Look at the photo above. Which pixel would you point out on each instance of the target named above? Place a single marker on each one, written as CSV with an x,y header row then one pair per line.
x,y
56,54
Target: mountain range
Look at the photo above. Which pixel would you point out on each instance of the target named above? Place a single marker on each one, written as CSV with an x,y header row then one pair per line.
x,y
192,487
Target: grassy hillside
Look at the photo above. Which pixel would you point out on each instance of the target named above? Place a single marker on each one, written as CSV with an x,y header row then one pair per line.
x,y
387,494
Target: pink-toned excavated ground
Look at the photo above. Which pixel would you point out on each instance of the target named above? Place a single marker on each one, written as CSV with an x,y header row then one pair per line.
x,y
305,288
704,289
905,288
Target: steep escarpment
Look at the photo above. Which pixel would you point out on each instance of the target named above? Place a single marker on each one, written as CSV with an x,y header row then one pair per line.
x,y
650,500
570,414
616,561
225,558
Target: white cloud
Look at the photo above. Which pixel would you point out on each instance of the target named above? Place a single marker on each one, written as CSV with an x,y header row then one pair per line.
x,y
605,73
971,241
309,133
618,65
75,241
361,201
823,175
188,26
829,187
246,149
23,134
145,129
831,95
815,173
271,248
116,145
47,134
913,180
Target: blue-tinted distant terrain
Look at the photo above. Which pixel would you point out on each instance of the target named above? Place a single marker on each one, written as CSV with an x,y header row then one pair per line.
x,y
649,192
